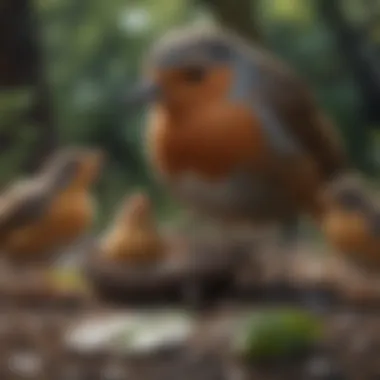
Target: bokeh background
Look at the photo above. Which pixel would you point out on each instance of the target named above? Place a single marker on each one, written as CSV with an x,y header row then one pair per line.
x,y
64,65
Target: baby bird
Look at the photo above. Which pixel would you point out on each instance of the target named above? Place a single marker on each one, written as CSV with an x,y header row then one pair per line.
x,y
42,214
352,221
134,235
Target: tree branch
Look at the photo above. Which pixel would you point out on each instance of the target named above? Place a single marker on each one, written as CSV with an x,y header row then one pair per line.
x,y
359,57
237,15
21,65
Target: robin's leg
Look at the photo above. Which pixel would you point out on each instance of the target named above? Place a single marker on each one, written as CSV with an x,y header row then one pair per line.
x,y
278,258
285,250
314,298
290,234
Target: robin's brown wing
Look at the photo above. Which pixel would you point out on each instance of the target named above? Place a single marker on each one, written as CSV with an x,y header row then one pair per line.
x,y
22,204
376,224
294,107
375,216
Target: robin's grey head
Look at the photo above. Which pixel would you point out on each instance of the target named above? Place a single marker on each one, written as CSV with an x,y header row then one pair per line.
x,y
188,65
189,46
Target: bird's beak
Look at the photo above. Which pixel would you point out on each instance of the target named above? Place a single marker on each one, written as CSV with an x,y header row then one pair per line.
x,y
143,93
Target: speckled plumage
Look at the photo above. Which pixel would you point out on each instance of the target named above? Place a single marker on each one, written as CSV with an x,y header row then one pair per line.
x,y
41,214
352,221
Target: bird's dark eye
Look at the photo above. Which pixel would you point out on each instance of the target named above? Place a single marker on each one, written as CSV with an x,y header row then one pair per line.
x,y
194,74
352,200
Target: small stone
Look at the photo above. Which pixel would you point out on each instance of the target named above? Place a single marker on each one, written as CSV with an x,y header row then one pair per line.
x,y
346,321
25,364
114,371
71,372
321,368
360,344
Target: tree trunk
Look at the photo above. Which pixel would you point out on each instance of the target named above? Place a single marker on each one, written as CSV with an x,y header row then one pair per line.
x,y
362,61
237,15
21,66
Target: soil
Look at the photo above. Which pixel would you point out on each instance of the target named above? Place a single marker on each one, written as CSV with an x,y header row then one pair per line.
x,y
32,347
34,321
193,272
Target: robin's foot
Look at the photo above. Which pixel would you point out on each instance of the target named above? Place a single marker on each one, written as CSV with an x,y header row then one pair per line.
x,y
287,249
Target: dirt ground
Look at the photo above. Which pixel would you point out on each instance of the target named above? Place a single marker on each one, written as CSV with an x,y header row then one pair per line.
x,y
34,321
32,344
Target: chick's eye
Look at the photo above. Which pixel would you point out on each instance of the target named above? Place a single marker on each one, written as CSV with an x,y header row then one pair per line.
x,y
195,74
352,201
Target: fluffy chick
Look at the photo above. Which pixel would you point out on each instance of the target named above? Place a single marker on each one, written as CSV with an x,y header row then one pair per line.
x,y
352,221
40,215
134,235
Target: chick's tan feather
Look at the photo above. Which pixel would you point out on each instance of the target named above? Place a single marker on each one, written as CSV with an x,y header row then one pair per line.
x,y
24,203
41,214
352,219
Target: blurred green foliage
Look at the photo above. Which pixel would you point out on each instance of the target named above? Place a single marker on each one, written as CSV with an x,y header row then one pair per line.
x,y
14,106
278,334
93,49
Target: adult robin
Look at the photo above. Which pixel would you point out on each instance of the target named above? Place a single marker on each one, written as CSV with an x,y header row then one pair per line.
x,y
41,214
233,132
352,221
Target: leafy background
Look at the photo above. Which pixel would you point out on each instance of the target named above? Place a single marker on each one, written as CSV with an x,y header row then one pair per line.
x,y
64,65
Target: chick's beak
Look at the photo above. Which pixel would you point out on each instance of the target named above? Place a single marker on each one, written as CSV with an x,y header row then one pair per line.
x,y
93,163
142,94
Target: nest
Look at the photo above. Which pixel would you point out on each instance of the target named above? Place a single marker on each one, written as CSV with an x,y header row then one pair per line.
x,y
191,271
205,270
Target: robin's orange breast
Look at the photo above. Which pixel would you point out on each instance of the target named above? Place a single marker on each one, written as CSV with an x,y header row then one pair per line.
x,y
211,142
200,156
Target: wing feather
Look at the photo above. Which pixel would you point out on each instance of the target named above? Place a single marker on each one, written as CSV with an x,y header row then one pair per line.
x,y
295,107
22,204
